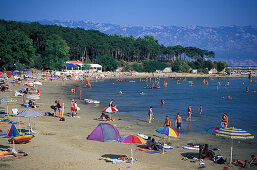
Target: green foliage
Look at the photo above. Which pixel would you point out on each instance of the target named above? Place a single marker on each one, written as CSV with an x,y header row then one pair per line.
x,y
220,65
138,67
49,46
152,66
108,62
15,46
56,53
180,66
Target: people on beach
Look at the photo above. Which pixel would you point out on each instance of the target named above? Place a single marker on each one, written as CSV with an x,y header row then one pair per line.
x,y
76,108
72,107
254,158
6,153
224,120
178,123
25,92
189,111
111,104
150,114
59,107
167,122
201,109
55,107
240,163
205,153
152,145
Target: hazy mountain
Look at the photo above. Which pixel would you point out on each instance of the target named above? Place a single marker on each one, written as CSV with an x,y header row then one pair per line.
x,y
235,44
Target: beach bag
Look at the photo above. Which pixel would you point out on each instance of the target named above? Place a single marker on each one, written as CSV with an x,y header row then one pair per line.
x,y
62,119
220,161
53,107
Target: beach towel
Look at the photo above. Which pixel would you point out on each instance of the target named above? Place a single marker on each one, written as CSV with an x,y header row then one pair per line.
x,y
154,151
101,119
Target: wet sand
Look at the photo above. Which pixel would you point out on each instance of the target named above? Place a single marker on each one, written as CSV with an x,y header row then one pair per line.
x,y
63,145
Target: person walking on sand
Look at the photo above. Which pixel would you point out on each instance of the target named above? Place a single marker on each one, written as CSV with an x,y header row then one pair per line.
x,y
200,110
150,114
167,122
59,107
224,120
189,111
72,107
178,123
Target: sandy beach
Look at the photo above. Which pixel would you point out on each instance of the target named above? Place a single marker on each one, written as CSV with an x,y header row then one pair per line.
x,y
64,145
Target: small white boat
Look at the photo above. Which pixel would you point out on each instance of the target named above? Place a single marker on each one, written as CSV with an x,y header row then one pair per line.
x,y
91,101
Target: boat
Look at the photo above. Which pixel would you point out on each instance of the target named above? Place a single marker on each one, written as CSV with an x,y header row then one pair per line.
x,y
91,101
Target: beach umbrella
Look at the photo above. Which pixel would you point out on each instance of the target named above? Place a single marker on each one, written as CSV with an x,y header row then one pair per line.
x,y
1,73
110,109
233,133
12,133
167,131
211,130
8,100
30,114
29,73
132,139
9,74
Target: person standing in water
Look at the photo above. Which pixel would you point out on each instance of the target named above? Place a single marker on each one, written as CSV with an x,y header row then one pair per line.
x,y
201,109
150,114
224,120
189,111
178,123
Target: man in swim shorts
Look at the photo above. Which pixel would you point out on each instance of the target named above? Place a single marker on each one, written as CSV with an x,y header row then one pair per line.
x,y
178,123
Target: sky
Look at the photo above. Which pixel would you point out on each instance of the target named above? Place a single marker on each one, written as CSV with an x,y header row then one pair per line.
x,y
212,13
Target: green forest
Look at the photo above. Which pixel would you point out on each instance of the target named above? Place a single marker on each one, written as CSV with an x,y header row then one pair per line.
x,y
26,45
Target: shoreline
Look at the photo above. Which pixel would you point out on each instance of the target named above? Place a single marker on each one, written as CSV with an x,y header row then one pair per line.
x,y
63,145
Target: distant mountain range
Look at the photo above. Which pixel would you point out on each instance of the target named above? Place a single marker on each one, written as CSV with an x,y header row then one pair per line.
x,y
235,44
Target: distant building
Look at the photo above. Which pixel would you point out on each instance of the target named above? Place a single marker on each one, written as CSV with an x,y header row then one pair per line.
x,y
95,67
194,71
167,70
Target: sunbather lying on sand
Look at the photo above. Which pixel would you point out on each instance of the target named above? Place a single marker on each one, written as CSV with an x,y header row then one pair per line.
x,y
5,153
240,163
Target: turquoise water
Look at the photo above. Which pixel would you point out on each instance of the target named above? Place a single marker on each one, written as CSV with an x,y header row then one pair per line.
x,y
241,110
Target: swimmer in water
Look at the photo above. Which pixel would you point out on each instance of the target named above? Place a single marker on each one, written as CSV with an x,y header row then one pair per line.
x,y
229,98
162,102
247,89
200,109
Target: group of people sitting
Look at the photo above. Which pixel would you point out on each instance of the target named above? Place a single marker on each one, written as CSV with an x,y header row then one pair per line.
x,y
105,117
3,87
152,144
205,153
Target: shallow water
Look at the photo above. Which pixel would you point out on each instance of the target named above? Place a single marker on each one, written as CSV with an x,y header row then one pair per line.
x,y
241,110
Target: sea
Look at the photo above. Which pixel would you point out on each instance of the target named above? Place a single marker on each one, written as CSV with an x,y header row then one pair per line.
x,y
136,100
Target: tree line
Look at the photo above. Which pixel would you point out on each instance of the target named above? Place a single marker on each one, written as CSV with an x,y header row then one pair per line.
x,y
49,46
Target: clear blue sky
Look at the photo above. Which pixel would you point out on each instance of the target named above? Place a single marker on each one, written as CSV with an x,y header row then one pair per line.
x,y
139,12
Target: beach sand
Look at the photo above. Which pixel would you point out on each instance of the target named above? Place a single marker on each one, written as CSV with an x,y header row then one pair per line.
x,y
64,145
